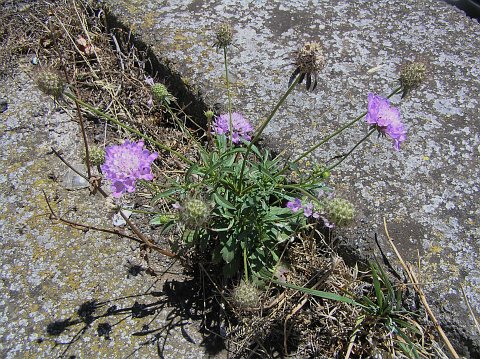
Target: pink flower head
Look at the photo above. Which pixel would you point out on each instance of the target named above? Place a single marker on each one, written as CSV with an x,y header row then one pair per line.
x,y
125,164
241,127
386,119
308,209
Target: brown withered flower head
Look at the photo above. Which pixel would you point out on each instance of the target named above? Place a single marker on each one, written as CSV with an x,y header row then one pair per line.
x,y
308,60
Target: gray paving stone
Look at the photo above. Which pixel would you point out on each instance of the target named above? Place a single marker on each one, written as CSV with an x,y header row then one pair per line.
x,y
429,191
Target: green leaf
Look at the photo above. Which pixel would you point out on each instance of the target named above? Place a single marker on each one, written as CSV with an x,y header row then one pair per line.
x,y
204,155
316,293
376,284
408,348
162,218
222,201
228,250
167,193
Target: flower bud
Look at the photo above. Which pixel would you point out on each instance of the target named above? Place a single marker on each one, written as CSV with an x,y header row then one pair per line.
x,y
209,115
411,76
246,295
161,94
340,211
50,82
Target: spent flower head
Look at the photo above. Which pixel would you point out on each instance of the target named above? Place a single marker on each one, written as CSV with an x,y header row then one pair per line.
x,y
246,295
411,76
223,35
386,119
340,211
242,129
308,60
125,164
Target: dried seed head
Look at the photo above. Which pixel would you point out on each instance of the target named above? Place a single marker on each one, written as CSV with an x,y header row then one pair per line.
x,y
309,58
50,82
246,295
223,35
411,76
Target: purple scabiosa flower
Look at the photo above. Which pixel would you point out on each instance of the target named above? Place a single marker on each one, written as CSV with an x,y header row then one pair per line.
x,y
124,164
294,205
241,127
386,119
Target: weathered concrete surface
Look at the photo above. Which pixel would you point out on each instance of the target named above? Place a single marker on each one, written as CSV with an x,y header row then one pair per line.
x,y
429,191
60,285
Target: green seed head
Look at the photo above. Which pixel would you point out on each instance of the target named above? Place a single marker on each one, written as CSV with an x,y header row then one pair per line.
x,y
96,154
50,82
412,75
223,36
340,211
194,213
246,295
161,94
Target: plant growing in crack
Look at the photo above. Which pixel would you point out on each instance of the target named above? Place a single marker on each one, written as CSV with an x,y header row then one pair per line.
x,y
235,202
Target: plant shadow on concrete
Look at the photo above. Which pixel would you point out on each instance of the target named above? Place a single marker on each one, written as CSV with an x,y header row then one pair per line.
x,y
310,304
179,303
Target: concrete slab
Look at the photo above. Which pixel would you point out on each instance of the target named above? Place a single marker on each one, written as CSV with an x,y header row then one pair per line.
x,y
429,191
65,293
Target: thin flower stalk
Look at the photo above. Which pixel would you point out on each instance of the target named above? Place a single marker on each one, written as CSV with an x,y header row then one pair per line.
x,y
229,97
266,122
334,134
343,157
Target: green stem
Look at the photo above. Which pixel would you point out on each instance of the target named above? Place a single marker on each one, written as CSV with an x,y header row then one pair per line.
x,y
245,266
128,128
337,132
225,61
353,149
265,123
274,111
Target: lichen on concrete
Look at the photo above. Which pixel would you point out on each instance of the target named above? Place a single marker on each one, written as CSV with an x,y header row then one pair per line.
x,y
429,191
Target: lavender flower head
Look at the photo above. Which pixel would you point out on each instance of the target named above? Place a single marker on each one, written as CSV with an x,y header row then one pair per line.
x,y
386,119
241,127
125,164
